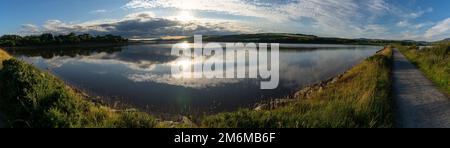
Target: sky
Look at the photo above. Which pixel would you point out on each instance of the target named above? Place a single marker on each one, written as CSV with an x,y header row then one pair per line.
x,y
427,20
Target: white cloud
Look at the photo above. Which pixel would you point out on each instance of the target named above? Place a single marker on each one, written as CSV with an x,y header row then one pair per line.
x,y
99,11
407,24
145,24
419,13
421,25
403,23
440,31
234,7
28,29
345,18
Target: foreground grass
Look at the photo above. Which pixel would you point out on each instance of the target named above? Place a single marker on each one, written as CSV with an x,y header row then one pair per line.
x,y
360,99
433,61
32,98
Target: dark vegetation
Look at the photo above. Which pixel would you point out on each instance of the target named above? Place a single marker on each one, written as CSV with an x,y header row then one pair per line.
x,y
50,39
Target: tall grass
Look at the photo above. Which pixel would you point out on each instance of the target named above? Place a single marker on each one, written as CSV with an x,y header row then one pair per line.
x,y
360,99
433,61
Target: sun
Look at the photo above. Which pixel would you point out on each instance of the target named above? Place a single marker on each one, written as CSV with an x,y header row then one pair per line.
x,y
185,16
183,45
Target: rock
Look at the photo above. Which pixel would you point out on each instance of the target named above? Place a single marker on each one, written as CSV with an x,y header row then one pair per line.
x,y
305,93
336,79
261,107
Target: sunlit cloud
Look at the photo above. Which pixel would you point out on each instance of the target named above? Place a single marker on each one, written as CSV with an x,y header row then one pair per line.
x,y
346,18
145,24
336,18
440,30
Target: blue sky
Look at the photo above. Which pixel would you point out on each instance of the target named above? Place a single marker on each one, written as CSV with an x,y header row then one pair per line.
x,y
388,19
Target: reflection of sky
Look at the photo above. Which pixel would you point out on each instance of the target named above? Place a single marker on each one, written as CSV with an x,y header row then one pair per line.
x,y
142,74
138,65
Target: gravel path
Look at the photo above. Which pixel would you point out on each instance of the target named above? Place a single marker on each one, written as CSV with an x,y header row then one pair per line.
x,y
419,103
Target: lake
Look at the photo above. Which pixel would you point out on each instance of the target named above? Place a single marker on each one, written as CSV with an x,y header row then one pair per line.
x,y
140,75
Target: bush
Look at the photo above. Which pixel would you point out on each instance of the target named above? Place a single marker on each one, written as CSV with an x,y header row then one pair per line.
x,y
135,120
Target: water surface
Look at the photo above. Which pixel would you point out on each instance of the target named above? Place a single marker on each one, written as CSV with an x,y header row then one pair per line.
x,y
140,75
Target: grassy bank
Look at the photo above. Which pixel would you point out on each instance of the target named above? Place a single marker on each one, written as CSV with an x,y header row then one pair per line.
x,y
32,98
358,99
433,61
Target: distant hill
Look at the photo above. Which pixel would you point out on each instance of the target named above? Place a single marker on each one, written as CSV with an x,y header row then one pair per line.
x,y
446,40
300,38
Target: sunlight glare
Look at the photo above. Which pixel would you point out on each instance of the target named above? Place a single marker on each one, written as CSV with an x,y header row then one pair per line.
x,y
185,16
184,45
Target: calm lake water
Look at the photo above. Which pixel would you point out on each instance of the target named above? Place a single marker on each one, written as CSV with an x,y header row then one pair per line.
x,y
140,75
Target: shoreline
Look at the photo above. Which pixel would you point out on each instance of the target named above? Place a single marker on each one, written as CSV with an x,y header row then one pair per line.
x,y
305,92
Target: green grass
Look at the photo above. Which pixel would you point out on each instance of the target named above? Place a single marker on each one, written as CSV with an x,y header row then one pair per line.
x,y
31,98
434,62
360,99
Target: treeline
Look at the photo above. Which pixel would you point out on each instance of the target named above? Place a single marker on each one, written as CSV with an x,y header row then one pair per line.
x,y
302,39
50,39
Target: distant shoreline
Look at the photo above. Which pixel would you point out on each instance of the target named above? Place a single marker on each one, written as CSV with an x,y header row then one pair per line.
x,y
67,45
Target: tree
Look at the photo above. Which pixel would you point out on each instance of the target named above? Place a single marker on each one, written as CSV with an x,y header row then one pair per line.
x,y
47,38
